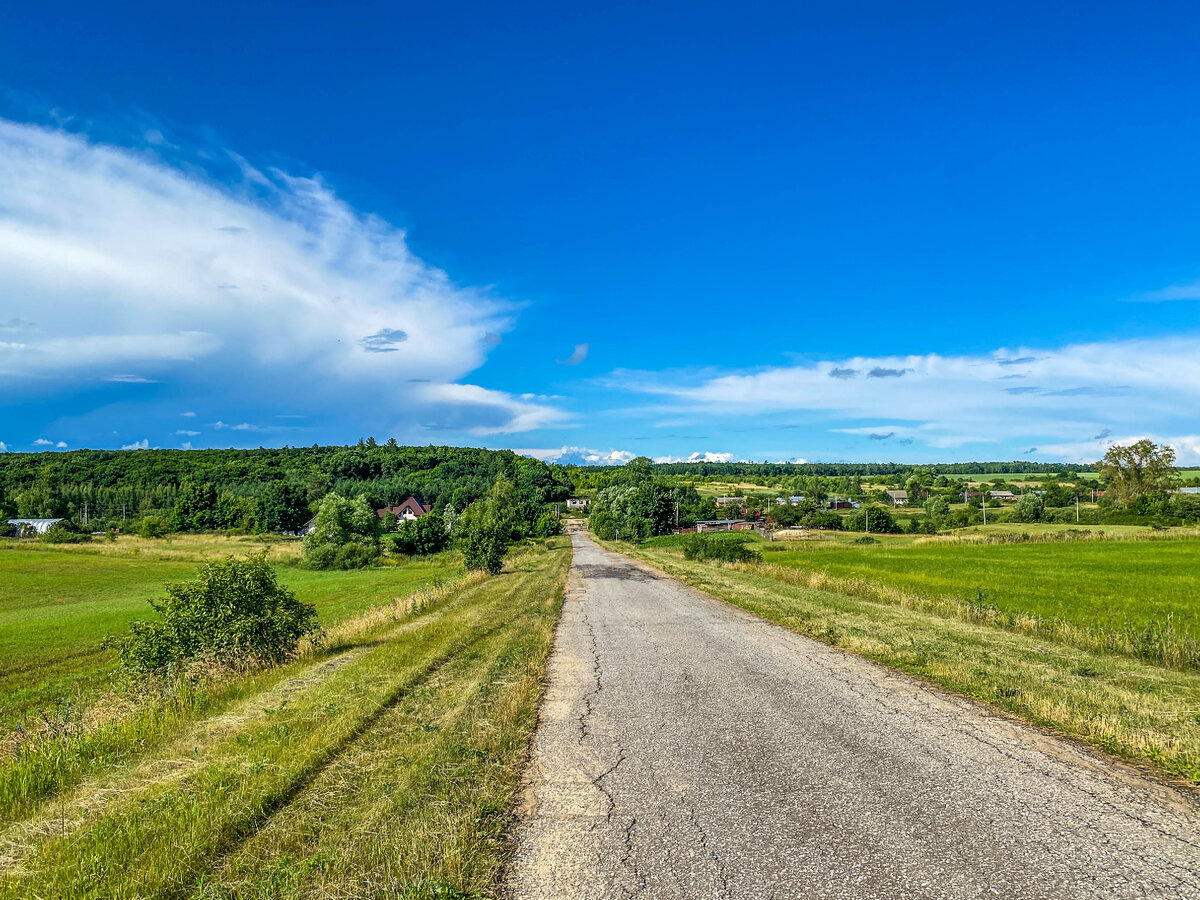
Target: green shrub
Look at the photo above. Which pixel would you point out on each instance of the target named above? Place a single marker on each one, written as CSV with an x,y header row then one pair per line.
x,y
420,537
547,525
234,612
706,547
154,527
63,533
344,535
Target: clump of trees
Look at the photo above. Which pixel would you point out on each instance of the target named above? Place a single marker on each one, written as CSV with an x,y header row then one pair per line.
x,y
875,519
420,537
488,527
344,535
1137,470
234,612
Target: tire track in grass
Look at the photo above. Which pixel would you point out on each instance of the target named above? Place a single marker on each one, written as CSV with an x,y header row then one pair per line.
x,y
334,832
211,810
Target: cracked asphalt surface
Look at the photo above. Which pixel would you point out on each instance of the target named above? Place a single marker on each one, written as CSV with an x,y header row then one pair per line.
x,y
687,749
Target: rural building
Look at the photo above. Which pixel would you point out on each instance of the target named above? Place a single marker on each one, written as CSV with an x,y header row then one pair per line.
x,y
410,510
1002,495
1189,490
717,525
897,497
842,504
37,526
306,527
578,503
794,500
730,501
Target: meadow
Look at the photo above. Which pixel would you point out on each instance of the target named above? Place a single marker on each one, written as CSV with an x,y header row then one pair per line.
x,y
1139,589
383,764
57,603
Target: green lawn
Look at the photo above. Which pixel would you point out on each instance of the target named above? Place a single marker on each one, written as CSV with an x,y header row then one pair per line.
x,y
1127,587
57,604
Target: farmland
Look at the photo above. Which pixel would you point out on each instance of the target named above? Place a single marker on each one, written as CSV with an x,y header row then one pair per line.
x,y
57,604
385,764
1133,587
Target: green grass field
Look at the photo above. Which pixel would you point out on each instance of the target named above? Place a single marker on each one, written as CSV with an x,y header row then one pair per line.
x,y
1135,587
58,602
384,765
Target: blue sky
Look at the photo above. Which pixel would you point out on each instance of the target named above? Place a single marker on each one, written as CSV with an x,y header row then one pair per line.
x,y
872,232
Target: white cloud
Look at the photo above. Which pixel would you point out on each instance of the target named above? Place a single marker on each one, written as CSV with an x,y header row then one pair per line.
x,y
3,447
1187,447
61,445
135,261
130,379
578,355
699,456
42,442
186,445
187,433
188,414
143,444
578,456
241,426
1055,396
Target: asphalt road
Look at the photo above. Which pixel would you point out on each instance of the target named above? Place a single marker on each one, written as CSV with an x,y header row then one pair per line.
x,y
690,750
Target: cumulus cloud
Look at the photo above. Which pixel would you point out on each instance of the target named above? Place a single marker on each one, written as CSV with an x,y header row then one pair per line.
x,y
578,355
3,447
42,442
61,445
143,444
950,401
698,456
215,275
1187,447
578,456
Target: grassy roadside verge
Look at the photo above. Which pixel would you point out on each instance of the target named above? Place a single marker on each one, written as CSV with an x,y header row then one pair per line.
x,y
1146,713
389,774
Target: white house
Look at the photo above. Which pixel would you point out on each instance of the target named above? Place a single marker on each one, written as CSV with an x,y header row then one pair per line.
x,y
897,497
37,526
578,503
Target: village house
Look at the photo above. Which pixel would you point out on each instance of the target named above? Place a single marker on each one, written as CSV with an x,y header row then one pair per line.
x,y
1002,495
897,497
408,511
730,501
578,503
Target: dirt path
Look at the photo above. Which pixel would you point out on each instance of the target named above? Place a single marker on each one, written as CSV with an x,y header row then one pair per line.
x,y
688,749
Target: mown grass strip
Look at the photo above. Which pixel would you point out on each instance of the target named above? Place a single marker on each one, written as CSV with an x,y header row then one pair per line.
x,y
1146,713
39,764
177,836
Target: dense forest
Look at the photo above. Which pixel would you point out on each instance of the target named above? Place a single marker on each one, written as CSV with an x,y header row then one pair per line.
x,y
257,489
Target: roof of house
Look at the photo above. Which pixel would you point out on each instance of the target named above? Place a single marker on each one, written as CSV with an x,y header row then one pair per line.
x,y
898,495
995,495
412,504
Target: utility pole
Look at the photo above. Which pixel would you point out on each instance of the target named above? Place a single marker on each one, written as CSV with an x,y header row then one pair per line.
x,y
1076,509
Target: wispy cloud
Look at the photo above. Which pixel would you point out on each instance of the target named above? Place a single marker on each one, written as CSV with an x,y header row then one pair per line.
x,y
241,426
951,401
578,355
187,433
131,379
